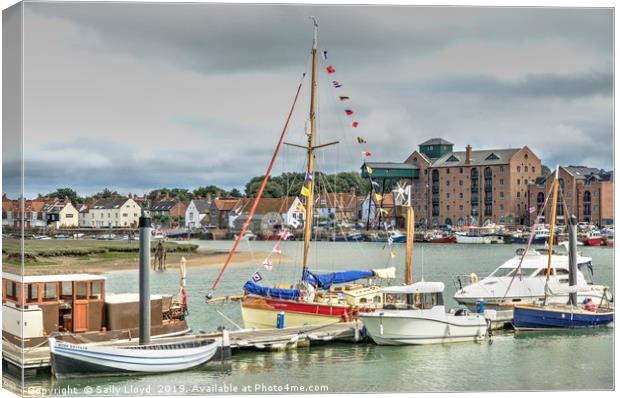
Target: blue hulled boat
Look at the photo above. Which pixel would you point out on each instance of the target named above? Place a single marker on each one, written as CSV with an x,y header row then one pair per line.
x,y
559,317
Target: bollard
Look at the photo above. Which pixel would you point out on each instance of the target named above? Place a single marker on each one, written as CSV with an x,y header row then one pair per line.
x,y
480,306
280,320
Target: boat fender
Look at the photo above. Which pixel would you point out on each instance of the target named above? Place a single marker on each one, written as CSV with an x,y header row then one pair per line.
x,y
473,278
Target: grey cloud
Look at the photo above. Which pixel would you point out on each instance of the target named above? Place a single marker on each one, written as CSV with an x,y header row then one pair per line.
x,y
540,85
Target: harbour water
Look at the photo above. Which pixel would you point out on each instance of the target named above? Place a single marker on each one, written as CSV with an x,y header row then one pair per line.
x,y
525,361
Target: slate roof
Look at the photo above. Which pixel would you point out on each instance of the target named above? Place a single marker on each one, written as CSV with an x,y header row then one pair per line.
x,y
202,205
164,205
478,158
109,203
436,141
391,165
584,173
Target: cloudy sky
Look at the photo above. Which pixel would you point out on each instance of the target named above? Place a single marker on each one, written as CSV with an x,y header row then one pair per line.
x,y
139,96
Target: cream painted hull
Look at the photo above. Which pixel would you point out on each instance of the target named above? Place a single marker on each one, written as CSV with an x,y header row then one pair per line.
x,y
255,318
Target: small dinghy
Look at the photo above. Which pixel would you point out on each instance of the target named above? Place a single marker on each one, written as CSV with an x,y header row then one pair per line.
x,y
73,360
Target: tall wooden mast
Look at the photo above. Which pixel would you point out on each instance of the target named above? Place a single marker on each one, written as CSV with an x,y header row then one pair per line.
x,y
309,181
554,203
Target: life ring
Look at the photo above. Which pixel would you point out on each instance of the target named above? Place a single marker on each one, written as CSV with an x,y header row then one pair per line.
x,y
473,278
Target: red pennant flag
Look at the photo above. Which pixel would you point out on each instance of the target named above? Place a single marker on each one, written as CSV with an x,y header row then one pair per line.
x,y
330,69
355,124
349,112
277,249
366,154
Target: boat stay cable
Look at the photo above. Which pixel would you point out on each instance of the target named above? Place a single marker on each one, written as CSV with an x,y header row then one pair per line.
x,y
260,191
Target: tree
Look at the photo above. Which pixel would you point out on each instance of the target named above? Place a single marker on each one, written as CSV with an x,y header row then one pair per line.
x,y
210,189
545,171
235,193
62,193
273,189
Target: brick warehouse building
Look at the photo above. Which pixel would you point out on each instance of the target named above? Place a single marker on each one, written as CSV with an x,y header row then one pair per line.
x,y
472,186
588,193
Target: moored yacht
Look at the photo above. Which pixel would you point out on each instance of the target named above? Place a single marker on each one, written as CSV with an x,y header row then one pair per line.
x,y
504,288
415,314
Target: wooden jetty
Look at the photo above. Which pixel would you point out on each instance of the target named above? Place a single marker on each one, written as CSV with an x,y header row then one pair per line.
x,y
31,360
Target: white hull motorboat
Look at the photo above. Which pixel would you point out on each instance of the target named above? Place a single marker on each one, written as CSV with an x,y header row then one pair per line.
x,y
424,321
502,289
461,238
73,360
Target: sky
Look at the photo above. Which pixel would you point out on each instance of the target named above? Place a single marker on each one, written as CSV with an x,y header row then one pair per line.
x,y
138,96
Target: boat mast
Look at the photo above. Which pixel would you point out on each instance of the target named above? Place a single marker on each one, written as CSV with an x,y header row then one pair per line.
x,y
554,203
409,246
309,181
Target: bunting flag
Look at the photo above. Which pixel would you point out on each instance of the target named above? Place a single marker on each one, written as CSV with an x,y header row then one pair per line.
x,y
375,184
305,191
300,207
378,197
349,112
256,277
308,176
366,154
267,264
286,234
393,254
330,69
532,210
355,124
294,223
343,97
369,169
390,241
360,140
324,53
336,84
277,249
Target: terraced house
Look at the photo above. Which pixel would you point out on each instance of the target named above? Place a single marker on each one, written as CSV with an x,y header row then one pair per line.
x,y
472,186
114,212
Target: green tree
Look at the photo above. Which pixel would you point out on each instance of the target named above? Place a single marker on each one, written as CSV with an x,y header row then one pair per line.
x,y
210,189
545,171
62,193
235,193
273,189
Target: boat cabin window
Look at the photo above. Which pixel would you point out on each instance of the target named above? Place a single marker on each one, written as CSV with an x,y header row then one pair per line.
x,y
66,291
427,300
542,273
50,291
95,290
587,271
32,293
500,272
562,275
11,290
80,293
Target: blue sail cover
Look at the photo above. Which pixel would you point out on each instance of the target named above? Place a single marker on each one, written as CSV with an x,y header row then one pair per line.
x,y
324,281
284,294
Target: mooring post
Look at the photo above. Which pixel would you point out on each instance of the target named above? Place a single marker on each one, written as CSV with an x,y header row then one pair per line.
x,y
145,290
572,258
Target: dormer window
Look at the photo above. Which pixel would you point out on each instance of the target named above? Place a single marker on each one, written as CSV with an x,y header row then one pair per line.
x,y
452,159
492,156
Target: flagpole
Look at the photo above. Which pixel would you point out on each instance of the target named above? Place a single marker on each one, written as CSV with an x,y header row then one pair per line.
x,y
309,182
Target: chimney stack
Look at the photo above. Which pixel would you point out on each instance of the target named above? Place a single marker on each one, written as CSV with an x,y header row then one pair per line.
x,y
468,154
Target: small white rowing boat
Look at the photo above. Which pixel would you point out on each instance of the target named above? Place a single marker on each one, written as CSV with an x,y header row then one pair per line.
x,y
73,360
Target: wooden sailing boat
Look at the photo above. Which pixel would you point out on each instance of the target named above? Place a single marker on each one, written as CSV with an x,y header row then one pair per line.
x,y
315,299
572,315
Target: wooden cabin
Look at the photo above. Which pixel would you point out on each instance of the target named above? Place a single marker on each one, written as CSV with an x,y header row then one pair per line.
x,y
52,303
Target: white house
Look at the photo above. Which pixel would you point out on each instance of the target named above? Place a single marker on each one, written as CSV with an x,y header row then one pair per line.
x,y
196,212
84,216
114,212
61,214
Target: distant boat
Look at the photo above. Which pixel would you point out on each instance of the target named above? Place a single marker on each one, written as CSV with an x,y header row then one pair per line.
x,y
592,238
73,360
473,235
440,238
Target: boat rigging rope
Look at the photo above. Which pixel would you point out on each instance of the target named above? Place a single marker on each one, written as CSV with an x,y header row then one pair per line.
x,y
260,191
529,244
